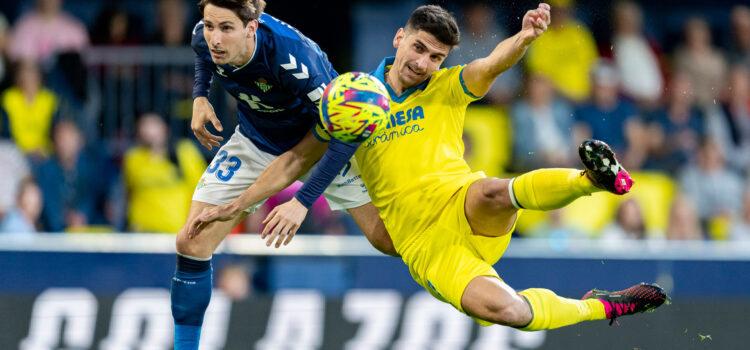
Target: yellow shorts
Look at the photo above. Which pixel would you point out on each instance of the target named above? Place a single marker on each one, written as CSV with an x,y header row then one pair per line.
x,y
447,256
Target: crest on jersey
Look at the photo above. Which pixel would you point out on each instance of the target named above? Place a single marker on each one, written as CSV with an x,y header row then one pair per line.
x,y
220,71
201,184
263,84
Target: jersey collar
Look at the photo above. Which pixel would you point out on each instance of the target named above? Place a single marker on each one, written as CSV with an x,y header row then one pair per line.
x,y
385,66
258,37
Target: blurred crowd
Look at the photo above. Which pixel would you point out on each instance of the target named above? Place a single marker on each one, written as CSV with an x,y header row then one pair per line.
x,y
676,112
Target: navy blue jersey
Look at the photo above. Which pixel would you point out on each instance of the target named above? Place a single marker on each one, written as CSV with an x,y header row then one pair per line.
x,y
277,90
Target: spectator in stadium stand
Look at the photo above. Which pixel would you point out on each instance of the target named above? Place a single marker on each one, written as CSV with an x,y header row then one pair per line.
x,y
172,20
45,31
683,220
5,80
729,122
554,228
566,53
674,130
541,127
635,57
739,51
704,64
74,181
160,177
176,83
718,191
28,109
24,217
234,280
609,117
115,27
628,223
14,169
740,230
480,31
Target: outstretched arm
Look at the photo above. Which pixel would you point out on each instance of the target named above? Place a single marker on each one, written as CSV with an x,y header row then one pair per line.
x,y
284,220
481,73
279,174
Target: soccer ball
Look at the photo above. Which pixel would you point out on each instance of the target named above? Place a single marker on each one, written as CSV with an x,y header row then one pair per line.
x,y
354,106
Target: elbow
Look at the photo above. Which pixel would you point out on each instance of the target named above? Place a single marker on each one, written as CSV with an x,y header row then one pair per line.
x,y
304,164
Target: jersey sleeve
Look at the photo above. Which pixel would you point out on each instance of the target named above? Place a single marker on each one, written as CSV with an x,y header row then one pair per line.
x,y
303,70
203,73
334,159
454,78
203,76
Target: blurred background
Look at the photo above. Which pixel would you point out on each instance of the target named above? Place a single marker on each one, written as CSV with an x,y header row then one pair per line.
x,y
98,165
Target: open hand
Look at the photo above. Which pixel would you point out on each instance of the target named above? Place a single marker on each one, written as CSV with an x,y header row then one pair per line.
x,y
203,112
208,215
283,222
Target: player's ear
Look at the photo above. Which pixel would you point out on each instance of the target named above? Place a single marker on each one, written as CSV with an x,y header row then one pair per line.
x,y
251,27
400,35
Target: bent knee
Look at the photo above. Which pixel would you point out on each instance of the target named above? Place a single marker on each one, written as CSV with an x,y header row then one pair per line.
x,y
190,246
494,193
516,314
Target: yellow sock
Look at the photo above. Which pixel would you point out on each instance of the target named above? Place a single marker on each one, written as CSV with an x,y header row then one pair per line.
x,y
550,311
548,189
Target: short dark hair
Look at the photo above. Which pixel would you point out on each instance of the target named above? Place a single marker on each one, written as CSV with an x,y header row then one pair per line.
x,y
246,10
437,21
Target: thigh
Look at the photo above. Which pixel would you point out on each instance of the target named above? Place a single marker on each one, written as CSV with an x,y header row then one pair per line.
x,y
203,245
451,269
236,166
488,207
368,219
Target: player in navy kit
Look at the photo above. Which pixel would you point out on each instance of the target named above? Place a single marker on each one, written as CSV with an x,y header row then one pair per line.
x,y
277,76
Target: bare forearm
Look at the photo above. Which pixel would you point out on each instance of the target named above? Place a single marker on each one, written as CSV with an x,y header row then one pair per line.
x,y
279,174
479,75
505,55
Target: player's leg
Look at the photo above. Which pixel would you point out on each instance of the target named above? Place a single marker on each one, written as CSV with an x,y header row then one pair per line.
x,y
491,203
490,299
237,165
203,245
533,309
192,282
347,191
548,189
368,219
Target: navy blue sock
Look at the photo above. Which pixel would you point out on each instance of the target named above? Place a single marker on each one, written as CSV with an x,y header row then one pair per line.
x,y
191,293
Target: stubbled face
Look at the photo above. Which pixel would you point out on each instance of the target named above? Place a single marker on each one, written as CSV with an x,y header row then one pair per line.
x,y
229,40
418,55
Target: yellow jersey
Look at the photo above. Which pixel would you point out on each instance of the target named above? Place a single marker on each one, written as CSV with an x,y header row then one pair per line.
x,y
414,166
30,122
160,190
566,55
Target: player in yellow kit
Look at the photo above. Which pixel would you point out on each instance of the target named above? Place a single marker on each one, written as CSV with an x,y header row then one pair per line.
x,y
449,224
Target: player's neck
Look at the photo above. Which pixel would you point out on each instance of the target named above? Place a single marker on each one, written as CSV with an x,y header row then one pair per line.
x,y
394,83
247,55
